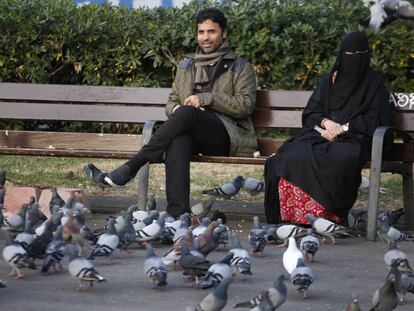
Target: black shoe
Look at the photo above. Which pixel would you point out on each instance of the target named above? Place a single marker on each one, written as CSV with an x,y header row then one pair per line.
x,y
119,177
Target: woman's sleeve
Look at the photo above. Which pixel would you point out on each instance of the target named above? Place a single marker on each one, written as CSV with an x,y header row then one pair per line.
x,y
314,113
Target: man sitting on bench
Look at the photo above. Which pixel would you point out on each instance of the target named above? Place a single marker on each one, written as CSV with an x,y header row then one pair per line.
x,y
209,108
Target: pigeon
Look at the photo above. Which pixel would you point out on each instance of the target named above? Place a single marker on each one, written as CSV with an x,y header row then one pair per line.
x,y
72,231
127,235
241,259
192,265
387,232
284,232
353,305
392,216
95,175
153,230
181,232
257,237
124,218
386,297
16,222
140,224
218,272
201,209
37,248
173,255
217,299
35,215
291,256
154,268
82,269
277,295
394,254
226,191
225,235
384,12
16,256
209,240
253,186
26,237
201,228
302,277
55,252
309,245
326,228
107,242
402,281
55,200
364,186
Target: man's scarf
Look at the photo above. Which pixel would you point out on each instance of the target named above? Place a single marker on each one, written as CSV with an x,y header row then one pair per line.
x,y
202,60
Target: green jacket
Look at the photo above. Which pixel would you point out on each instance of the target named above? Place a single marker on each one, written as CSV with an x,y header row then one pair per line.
x,y
232,99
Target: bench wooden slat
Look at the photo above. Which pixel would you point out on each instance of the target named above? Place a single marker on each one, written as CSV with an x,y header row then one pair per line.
x,y
275,119
77,112
83,93
282,99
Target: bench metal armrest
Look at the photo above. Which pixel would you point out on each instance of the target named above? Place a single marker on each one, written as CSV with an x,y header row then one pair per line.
x,y
143,173
375,176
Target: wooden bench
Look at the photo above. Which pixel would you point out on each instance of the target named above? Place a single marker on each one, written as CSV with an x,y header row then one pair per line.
x,y
275,110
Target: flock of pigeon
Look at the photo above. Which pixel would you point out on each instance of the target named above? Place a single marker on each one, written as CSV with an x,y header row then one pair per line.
x,y
33,240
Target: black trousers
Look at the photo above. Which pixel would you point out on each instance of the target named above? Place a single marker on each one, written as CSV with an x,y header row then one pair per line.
x,y
187,132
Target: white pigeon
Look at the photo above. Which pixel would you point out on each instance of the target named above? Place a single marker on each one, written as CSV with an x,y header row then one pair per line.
x,y
309,245
152,231
82,269
291,256
154,268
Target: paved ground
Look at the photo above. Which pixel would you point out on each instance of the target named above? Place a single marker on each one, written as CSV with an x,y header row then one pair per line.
x,y
352,266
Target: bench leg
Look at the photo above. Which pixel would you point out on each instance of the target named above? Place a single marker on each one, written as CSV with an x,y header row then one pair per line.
x,y
143,177
408,195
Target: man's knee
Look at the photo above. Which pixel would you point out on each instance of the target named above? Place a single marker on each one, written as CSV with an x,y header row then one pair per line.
x,y
180,146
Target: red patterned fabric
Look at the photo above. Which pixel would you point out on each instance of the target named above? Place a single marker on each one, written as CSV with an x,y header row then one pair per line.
x,y
296,203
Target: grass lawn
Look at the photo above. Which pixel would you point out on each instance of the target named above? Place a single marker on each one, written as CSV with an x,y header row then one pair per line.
x,y
67,172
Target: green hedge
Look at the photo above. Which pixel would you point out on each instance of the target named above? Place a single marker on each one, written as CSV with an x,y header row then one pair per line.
x,y
290,42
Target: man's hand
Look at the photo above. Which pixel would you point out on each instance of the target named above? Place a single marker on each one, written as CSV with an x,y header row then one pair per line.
x,y
192,100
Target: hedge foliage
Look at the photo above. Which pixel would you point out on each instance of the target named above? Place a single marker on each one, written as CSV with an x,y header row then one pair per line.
x,y
290,42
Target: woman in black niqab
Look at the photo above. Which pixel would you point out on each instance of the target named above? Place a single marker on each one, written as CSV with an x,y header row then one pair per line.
x,y
323,171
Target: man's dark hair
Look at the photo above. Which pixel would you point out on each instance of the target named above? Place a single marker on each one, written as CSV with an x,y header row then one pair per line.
x,y
214,15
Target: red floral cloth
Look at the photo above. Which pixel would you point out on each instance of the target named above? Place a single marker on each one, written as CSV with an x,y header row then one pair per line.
x,y
296,203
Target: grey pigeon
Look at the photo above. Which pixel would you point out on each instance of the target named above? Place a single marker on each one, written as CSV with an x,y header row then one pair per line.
x,y
125,218
302,277
385,298
277,295
394,254
127,235
241,259
37,248
291,256
192,265
392,216
284,232
202,208
16,256
141,222
353,305
257,237
326,228
181,231
26,237
387,232
265,304
35,215
218,272
96,175
402,281
154,268
55,252
217,299
253,186
82,269
16,222
107,242
227,190
309,245
384,12
209,240
153,230
55,200
201,228
225,235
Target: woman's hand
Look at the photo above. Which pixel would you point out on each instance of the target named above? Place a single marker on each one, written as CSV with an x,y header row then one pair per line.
x,y
332,129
